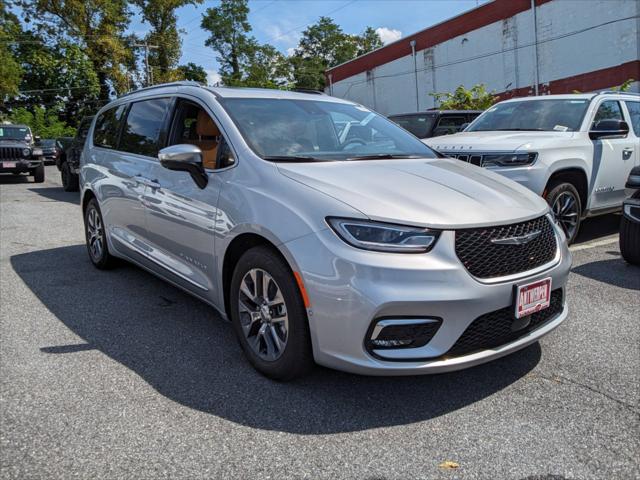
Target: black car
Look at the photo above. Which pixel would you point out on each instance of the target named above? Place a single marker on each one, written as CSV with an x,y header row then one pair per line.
x,y
18,153
630,223
434,123
50,150
68,161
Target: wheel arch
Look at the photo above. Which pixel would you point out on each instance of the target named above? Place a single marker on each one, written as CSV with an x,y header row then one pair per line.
x,y
86,196
575,176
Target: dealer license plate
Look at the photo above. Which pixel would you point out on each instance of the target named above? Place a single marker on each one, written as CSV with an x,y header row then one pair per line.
x,y
8,164
533,297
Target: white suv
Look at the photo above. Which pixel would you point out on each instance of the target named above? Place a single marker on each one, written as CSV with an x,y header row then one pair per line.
x,y
575,150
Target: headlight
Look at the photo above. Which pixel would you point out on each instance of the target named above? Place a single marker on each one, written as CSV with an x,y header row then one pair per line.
x,y
384,237
26,152
509,159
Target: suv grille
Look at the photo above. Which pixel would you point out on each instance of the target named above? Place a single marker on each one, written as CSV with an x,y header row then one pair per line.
x,y
10,153
486,259
494,329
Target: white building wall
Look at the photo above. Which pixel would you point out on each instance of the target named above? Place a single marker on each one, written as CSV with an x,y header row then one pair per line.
x,y
574,37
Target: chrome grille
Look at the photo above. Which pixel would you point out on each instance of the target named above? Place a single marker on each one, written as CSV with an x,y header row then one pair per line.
x,y
484,258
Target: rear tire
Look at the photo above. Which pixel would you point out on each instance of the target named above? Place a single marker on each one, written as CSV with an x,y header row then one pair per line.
x,y
38,174
96,238
272,327
630,241
70,181
566,206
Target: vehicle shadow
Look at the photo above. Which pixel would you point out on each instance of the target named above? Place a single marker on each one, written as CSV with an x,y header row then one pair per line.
x,y
184,350
57,194
597,227
9,179
615,272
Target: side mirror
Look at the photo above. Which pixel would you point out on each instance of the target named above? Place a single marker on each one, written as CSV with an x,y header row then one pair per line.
x,y
37,138
185,158
609,129
634,178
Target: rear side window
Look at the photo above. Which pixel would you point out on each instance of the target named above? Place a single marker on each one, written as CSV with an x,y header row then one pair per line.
x,y
107,127
144,126
634,113
419,125
448,125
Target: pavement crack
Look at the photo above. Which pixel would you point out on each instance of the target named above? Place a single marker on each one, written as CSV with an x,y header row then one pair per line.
x,y
560,379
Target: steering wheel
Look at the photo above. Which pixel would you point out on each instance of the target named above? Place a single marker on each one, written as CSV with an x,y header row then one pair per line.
x,y
353,141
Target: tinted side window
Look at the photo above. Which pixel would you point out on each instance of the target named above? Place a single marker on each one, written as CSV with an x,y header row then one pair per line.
x,y
83,130
143,127
448,125
609,110
634,113
105,134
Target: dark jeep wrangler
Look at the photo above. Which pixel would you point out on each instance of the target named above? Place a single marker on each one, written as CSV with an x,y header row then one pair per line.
x,y
18,153
68,161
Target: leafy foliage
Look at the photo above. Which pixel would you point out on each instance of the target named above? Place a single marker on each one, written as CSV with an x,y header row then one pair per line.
x,y
191,71
43,122
475,98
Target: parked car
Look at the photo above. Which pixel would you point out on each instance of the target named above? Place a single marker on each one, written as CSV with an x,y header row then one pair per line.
x,y
50,150
575,150
355,246
630,223
69,160
18,153
434,123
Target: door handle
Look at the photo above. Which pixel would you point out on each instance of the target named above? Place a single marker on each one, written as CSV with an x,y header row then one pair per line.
x,y
626,153
145,181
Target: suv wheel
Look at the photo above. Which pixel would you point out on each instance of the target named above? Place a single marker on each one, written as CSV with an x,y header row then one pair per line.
x,y
69,179
38,173
565,204
630,238
269,316
96,238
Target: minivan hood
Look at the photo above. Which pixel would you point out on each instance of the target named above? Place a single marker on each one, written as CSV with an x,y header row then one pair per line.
x,y
497,141
438,193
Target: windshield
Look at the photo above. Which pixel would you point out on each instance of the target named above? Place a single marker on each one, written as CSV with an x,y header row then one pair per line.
x,y
544,115
47,142
14,133
308,130
419,125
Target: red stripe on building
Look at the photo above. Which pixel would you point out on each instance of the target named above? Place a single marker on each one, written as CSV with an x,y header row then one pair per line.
x,y
477,18
585,82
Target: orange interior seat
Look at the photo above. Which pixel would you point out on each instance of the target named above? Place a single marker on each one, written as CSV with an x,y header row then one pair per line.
x,y
207,139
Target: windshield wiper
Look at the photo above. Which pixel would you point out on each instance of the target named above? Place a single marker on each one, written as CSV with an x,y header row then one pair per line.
x,y
380,156
291,158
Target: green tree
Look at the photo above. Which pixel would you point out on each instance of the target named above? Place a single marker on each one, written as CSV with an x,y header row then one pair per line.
x,y
10,69
191,71
98,27
475,98
229,29
43,122
161,16
324,45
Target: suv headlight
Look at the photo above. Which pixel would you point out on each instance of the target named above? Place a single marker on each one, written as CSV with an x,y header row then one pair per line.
x,y
26,152
509,159
384,237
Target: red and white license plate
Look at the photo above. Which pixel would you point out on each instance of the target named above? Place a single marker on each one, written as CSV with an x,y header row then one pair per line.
x,y
8,164
533,297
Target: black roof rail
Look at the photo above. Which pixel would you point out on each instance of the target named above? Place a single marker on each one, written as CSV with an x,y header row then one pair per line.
x,y
180,83
308,90
614,92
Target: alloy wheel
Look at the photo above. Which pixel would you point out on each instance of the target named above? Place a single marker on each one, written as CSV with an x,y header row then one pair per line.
x,y
263,314
566,211
95,234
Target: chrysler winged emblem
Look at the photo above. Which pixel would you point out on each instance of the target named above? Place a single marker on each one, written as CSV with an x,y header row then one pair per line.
x,y
521,240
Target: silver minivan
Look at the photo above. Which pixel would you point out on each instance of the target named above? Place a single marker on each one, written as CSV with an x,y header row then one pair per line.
x,y
324,232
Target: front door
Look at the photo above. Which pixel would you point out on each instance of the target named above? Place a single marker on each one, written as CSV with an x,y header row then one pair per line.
x,y
181,217
613,159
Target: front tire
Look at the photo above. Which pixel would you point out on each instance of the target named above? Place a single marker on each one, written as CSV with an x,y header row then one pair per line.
x,y
269,315
630,241
38,174
566,206
96,238
70,182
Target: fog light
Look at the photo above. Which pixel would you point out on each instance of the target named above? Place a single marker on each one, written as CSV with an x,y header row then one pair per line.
x,y
389,333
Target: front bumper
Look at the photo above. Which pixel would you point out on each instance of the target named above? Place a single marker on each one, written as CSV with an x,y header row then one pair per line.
x,y
349,288
19,165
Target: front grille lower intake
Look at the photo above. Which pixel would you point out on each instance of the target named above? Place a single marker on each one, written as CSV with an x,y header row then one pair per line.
x,y
484,258
496,328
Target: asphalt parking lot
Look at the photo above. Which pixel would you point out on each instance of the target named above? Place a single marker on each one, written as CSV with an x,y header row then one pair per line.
x,y
117,374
